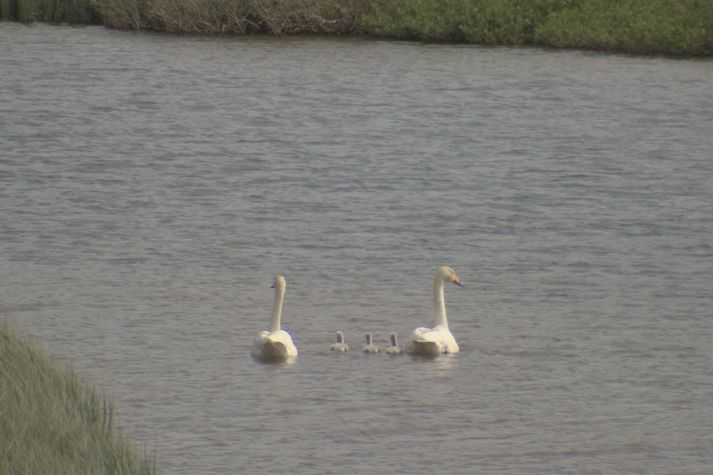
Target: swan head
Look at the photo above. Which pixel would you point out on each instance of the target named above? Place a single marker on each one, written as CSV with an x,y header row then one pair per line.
x,y
447,274
279,282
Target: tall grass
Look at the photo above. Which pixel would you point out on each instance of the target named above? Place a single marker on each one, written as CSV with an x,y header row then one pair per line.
x,y
674,27
51,421
236,16
469,21
677,27
51,11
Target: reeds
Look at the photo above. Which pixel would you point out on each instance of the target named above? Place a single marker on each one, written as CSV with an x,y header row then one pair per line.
x,y
675,27
51,421
51,11
467,21
274,17
672,27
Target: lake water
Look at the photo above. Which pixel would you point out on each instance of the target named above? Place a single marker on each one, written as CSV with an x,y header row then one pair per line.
x,y
151,186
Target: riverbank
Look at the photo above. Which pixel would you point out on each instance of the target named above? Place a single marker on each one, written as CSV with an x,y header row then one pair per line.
x,y
668,27
51,421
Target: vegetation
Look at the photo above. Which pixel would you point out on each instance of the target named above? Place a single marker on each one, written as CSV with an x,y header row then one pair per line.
x,y
53,422
675,27
468,21
51,11
274,17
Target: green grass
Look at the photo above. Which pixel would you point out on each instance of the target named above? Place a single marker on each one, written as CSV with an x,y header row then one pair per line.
x,y
670,27
674,27
51,11
52,421
467,21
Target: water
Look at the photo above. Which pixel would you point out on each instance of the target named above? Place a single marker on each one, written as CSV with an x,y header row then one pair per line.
x,y
150,186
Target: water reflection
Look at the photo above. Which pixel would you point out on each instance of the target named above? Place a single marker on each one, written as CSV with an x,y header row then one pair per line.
x,y
274,362
437,365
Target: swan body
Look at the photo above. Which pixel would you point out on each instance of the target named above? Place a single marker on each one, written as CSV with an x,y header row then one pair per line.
x,y
275,345
439,339
370,347
339,345
394,349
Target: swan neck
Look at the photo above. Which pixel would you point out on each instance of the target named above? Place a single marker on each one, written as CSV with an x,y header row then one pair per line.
x,y
439,302
277,308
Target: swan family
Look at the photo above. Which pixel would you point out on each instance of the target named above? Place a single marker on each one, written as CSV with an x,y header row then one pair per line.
x,y
276,345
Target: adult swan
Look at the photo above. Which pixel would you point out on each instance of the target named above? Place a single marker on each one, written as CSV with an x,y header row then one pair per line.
x,y
439,339
276,344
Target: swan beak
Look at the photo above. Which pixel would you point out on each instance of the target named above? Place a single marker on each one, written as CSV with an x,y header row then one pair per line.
x,y
457,282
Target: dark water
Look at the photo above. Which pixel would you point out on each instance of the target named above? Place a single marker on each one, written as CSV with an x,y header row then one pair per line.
x,y
150,186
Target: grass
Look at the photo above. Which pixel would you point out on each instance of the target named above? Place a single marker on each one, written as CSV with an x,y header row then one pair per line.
x,y
52,421
674,27
51,11
466,21
275,17
671,27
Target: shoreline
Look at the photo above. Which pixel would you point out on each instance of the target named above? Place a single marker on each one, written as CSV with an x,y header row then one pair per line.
x,y
642,27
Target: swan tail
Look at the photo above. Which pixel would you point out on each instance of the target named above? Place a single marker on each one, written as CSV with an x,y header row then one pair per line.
x,y
271,351
423,347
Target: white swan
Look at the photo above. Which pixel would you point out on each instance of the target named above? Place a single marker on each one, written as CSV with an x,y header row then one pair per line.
x,y
370,347
276,344
439,339
339,345
394,349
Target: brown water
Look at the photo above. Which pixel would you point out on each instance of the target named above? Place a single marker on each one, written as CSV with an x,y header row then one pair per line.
x,y
150,186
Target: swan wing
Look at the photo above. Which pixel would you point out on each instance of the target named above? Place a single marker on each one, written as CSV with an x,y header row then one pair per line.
x,y
419,332
284,338
273,346
444,336
260,338
432,341
273,351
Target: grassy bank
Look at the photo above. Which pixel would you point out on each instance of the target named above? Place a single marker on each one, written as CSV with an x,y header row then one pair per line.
x,y
274,17
672,27
53,422
51,11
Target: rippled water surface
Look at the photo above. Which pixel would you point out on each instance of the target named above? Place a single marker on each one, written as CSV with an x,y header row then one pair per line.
x,y
150,186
